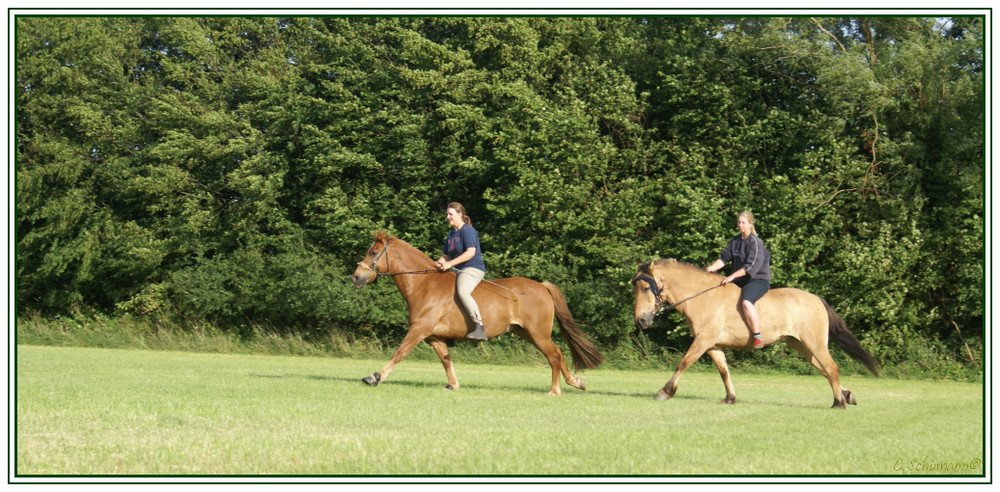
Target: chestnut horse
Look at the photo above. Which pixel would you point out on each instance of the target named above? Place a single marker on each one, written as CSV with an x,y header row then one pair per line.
x,y
517,304
805,322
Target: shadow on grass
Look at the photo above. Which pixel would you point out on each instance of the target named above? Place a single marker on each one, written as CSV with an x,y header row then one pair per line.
x,y
543,389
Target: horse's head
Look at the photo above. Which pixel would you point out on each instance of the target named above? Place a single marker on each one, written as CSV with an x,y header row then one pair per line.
x,y
647,295
375,257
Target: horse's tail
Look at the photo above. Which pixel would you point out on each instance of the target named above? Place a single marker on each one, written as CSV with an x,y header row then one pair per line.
x,y
585,355
846,341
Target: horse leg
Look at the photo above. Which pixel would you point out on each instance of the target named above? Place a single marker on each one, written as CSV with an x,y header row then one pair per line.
x,y
555,358
574,381
719,357
571,380
441,347
822,361
412,338
695,351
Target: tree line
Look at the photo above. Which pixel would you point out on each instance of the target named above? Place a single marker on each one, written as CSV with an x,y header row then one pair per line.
x,y
232,169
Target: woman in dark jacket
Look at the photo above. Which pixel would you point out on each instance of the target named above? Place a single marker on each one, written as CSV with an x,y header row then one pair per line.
x,y
750,270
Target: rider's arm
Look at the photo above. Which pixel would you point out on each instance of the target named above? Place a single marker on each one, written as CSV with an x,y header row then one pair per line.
x,y
715,266
462,258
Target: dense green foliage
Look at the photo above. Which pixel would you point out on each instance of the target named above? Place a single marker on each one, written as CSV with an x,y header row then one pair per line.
x,y
232,170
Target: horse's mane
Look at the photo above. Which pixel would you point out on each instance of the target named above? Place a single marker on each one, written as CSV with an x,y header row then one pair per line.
x,y
395,241
647,267
385,236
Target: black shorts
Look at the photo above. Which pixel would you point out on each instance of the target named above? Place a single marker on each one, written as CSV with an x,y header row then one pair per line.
x,y
753,289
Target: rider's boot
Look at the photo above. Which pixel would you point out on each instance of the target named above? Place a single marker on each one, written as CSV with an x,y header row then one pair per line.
x,y
478,334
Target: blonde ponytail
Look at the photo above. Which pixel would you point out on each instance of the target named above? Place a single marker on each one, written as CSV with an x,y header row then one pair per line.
x,y
749,216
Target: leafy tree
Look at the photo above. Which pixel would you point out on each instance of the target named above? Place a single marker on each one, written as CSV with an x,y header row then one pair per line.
x,y
233,169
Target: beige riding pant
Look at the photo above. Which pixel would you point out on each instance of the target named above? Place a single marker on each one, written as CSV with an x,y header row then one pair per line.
x,y
466,282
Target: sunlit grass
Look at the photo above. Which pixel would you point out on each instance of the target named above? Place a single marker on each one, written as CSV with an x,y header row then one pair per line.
x,y
127,412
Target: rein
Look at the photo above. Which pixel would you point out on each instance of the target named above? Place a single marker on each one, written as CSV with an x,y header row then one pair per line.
x,y
393,274
495,284
374,267
657,292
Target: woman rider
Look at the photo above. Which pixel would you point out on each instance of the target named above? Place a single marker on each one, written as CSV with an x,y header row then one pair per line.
x,y
751,270
462,250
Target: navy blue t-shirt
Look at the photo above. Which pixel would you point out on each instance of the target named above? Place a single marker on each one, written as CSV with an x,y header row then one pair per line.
x,y
458,241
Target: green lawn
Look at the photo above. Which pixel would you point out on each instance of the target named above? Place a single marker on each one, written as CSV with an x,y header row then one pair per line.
x,y
84,411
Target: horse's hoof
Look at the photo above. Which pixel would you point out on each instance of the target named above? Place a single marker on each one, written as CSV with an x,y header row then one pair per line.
x,y
582,386
849,398
666,392
839,404
372,380
729,400
449,387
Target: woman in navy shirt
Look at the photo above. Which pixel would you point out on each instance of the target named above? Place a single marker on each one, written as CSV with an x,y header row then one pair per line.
x,y
751,270
462,250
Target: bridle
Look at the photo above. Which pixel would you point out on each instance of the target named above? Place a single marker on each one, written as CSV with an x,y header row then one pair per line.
x,y
658,292
374,266
653,286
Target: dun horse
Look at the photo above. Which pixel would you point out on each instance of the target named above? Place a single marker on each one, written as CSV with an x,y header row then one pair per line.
x,y
518,305
805,322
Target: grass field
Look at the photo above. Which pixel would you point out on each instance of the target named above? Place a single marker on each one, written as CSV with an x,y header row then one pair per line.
x,y
84,411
